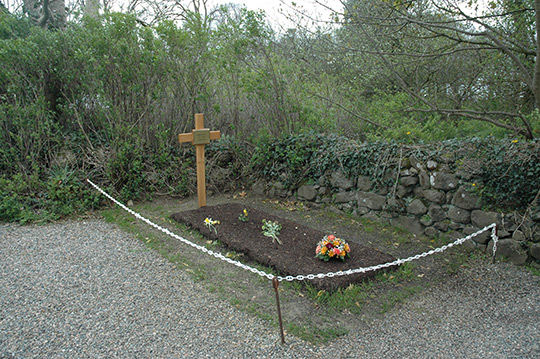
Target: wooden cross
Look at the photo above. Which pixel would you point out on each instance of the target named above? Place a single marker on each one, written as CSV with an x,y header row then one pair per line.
x,y
199,137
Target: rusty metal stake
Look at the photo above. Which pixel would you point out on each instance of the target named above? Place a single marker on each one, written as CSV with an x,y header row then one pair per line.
x,y
275,282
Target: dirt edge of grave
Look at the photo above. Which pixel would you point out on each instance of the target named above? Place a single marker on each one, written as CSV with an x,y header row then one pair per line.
x,y
306,311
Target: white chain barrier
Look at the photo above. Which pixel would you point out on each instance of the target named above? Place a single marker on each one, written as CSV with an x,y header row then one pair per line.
x,y
194,245
289,278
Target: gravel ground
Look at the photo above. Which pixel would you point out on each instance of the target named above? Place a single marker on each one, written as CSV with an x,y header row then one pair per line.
x,y
83,289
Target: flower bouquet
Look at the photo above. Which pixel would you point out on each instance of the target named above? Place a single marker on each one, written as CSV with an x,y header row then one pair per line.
x,y
332,247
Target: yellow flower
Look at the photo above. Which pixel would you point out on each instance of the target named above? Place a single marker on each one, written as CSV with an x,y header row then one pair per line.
x,y
323,250
515,141
408,133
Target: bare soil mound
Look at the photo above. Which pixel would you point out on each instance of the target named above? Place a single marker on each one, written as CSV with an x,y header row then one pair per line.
x,y
296,254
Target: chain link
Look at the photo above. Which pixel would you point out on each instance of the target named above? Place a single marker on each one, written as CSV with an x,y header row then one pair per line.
x,y
301,277
194,245
398,261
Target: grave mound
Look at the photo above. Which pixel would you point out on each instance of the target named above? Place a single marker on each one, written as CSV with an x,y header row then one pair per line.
x,y
296,254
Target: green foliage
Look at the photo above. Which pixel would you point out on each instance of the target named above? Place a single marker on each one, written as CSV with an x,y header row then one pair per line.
x,y
511,173
12,26
126,170
29,198
287,159
106,97
303,158
316,335
271,229
351,298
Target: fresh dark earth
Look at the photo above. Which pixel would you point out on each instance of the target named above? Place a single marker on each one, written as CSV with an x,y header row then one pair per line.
x,y
296,254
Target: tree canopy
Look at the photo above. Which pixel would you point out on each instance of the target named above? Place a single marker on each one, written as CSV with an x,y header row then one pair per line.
x,y
381,69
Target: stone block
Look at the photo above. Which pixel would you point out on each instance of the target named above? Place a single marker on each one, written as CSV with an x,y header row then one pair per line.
x,y
258,188
431,165
443,180
466,200
464,174
509,249
509,223
535,251
481,219
344,197
442,226
437,213
426,221
370,200
518,236
401,191
416,207
431,232
423,177
434,195
307,192
339,180
409,181
415,163
363,183
394,205
418,192
362,211
456,226
481,238
474,245
410,224
458,215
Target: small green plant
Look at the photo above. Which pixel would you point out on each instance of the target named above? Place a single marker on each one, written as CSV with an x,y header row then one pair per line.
x,y
211,224
535,271
244,216
271,229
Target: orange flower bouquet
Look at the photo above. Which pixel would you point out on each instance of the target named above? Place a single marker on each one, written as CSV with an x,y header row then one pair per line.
x,y
332,247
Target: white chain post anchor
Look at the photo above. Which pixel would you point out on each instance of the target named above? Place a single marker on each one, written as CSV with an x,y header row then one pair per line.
x,y
495,238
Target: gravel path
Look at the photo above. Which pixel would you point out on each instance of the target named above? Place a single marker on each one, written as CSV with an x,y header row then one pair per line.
x,y
86,289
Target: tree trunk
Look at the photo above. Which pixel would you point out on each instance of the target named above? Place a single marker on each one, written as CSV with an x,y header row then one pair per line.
x,y
49,14
91,8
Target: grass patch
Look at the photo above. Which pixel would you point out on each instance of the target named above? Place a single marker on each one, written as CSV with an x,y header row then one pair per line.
x,y
313,315
533,270
351,298
394,298
315,335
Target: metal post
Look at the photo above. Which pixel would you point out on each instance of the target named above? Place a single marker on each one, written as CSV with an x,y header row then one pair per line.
x,y
275,282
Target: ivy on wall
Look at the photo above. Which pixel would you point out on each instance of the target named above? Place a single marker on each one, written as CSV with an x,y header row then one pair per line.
x,y
505,172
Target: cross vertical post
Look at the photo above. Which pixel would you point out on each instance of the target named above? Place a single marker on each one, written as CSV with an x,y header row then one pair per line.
x,y
199,137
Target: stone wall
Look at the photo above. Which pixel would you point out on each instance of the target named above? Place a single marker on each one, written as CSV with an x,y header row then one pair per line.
x,y
425,199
